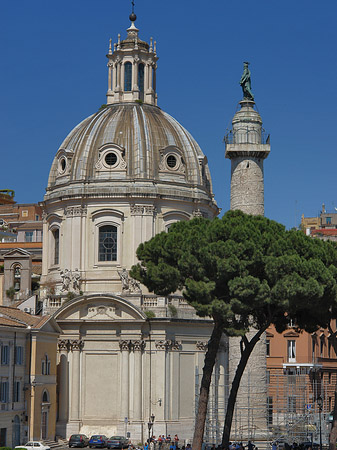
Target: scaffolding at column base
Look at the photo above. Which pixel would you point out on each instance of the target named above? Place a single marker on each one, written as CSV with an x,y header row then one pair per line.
x,y
287,413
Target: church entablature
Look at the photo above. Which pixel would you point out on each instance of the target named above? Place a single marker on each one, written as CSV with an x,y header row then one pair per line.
x,y
99,307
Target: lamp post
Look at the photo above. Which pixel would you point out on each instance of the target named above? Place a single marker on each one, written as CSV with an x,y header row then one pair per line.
x,y
320,407
150,426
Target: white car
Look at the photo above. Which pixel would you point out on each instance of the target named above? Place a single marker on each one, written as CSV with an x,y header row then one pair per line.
x,y
37,445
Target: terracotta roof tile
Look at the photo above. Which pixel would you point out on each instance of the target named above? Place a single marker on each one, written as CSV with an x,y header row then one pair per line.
x,y
10,322
22,317
325,231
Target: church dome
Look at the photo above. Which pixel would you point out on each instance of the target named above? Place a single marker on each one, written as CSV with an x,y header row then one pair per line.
x,y
129,147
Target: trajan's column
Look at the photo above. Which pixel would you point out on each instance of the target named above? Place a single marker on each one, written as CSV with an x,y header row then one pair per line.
x,y
247,147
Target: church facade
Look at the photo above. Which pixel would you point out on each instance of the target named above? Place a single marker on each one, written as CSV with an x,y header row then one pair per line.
x,y
130,362
122,175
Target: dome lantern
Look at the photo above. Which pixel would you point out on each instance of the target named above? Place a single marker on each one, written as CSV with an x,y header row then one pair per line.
x,y
132,69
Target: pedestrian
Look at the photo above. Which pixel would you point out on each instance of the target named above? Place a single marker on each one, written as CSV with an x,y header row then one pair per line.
x,y
251,446
146,446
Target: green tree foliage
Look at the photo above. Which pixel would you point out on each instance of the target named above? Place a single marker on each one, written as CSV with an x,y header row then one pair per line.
x,y
246,272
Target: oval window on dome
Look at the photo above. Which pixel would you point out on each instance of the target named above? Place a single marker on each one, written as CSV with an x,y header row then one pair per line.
x,y
111,159
62,165
171,161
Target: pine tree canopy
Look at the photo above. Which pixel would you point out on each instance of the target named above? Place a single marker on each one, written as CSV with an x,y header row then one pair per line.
x,y
245,271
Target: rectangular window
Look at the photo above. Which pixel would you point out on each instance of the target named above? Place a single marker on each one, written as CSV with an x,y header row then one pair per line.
x,y
107,243
4,392
267,347
268,376
328,220
16,397
5,355
37,217
29,236
24,213
292,404
19,355
270,410
291,351
56,234
322,347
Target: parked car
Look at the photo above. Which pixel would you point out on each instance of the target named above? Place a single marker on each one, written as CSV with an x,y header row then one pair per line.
x,y
36,445
78,440
98,440
117,442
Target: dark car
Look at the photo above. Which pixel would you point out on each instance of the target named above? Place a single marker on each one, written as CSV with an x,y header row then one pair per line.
x,y
117,442
308,444
78,440
98,440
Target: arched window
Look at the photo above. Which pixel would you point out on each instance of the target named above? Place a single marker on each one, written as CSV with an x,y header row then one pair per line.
x,y
17,278
127,76
45,397
141,77
107,243
56,236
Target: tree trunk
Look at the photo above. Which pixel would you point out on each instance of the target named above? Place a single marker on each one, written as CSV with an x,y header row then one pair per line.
x,y
333,432
246,351
210,356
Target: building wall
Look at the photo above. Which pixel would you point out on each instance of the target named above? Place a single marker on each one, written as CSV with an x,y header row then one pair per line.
x,y
43,348
12,408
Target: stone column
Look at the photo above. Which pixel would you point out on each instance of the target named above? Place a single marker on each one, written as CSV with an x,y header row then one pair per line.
x,y
146,78
76,347
138,347
115,77
63,347
150,88
125,349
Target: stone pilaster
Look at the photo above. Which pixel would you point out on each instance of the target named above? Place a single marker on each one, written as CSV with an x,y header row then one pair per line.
x,y
63,348
138,348
76,346
125,350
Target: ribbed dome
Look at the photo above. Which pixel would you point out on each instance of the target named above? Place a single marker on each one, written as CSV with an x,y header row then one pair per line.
x,y
125,144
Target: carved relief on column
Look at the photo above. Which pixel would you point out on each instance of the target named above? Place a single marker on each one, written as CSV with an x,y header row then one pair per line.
x,y
75,211
161,345
138,345
124,345
76,345
168,345
150,210
63,345
174,345
201,345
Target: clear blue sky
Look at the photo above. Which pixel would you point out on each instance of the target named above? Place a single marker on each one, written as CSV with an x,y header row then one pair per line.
x,y
53,74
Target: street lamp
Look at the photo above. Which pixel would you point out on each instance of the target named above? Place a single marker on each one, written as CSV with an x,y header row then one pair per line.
x,y
150,426
320,407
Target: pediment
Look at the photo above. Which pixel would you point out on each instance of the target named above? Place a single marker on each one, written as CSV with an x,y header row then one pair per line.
x,y
99,308
291,333
17,253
